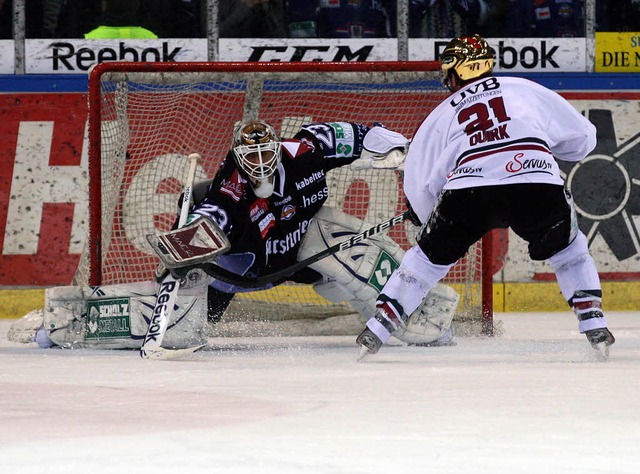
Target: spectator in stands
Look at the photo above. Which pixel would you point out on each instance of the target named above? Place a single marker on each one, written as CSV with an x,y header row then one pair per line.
x,y
356,19
118,20
61,18
446,18
174,18
544,18
301,18
516,18
558,18
252,19
621,15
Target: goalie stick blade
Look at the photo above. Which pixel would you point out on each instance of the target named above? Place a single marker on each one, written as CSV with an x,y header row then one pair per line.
x,y
199,242
160,353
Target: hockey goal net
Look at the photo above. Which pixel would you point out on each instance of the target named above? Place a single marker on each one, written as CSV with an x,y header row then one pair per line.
x,y
146,118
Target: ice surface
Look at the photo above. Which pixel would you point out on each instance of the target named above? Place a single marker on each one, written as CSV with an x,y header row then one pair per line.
x,y
534,400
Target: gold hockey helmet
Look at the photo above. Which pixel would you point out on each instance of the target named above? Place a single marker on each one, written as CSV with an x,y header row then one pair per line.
x,y
468,56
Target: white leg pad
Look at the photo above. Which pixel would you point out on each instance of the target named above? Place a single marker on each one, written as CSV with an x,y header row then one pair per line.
x,y
432,320
117,316
356,274
24,330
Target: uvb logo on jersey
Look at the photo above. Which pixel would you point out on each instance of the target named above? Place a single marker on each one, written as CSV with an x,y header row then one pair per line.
x,y
108,319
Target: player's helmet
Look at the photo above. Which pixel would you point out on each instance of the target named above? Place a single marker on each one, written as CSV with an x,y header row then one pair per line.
x,y
468,57
256,147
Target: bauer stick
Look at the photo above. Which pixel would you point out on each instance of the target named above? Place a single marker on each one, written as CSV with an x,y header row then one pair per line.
x,y
168,291
280,276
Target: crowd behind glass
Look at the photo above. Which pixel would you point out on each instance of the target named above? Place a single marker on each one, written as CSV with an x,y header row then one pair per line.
x,y
323,18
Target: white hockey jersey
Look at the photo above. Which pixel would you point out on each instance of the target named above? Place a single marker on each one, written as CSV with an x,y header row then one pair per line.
x,y
494,131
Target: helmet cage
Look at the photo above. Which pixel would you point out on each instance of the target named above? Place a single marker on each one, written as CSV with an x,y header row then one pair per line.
x,y
258,161
257,149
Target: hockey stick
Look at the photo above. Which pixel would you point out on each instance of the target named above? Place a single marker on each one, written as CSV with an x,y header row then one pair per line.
x,y
280,276
168,291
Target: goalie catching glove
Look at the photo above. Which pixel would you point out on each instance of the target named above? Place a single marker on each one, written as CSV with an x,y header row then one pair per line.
x,y
383,149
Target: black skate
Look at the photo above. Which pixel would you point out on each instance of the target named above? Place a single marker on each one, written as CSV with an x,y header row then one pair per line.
x,y
600,339
369,343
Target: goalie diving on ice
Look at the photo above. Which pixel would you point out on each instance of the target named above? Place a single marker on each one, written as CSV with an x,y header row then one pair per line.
x,y
268,199
263,220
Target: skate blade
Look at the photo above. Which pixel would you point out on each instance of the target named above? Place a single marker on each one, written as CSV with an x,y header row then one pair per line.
x,y
362,354
602,348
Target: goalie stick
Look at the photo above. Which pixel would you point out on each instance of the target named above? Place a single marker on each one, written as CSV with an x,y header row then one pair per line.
x,y
226,276
168,291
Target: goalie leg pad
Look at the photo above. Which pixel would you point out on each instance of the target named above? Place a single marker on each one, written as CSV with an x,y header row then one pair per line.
x,y
117,316
24,330
356,274
431,322
333,291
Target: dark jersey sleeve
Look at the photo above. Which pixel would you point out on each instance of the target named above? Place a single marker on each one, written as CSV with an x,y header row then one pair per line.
x,y
340,142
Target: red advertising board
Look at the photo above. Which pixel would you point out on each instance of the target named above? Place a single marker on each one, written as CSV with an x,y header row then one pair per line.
x,y
38,253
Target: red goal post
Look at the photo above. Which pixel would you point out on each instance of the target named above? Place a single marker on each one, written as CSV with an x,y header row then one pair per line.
x,y
146,118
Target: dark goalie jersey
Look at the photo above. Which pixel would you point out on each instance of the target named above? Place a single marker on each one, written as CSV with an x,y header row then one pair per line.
x,y
265,233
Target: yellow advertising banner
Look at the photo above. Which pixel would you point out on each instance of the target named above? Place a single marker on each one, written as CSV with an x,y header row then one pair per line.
x,y
617,52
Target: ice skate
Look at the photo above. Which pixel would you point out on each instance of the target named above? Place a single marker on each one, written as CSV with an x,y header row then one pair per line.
x,y
369,343
601,339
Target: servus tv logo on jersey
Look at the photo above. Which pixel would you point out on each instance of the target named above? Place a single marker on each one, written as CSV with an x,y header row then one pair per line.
x,y
108,319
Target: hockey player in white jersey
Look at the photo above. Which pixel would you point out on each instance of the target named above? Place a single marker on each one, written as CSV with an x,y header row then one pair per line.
x,y
485,158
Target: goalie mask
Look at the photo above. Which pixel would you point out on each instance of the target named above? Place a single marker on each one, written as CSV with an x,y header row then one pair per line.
x,y
466,58
256,148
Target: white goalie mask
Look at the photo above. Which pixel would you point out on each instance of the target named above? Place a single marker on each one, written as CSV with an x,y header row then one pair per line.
x,y
256,147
